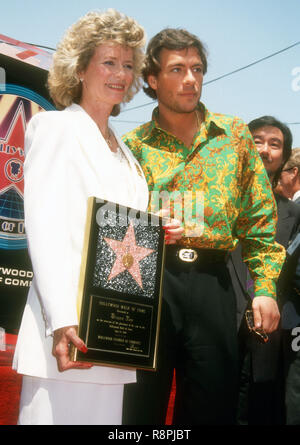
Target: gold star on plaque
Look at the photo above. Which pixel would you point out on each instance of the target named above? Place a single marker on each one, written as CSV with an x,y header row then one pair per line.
x,y
128,255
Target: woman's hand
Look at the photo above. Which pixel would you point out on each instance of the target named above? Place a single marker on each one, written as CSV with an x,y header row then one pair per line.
x,y
173,231
172,227
62,339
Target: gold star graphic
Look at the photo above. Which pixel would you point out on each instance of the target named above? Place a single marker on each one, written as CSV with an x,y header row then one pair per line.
x,y
128,255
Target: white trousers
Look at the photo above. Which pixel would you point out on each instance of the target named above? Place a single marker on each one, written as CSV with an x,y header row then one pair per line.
x,y
54,402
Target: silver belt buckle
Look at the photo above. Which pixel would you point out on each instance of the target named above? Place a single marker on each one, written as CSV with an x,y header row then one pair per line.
x,y
188,255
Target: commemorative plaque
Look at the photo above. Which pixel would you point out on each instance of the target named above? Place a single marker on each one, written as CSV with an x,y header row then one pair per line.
x,y
119,298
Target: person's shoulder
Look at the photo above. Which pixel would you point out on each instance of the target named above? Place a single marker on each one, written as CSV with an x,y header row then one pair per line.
x,y
54,121
48,128
280,199
232,124
291,206
43,115
137,133
43,118
228,119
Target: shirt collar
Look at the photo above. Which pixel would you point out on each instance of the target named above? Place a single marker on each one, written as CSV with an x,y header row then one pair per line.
x,y
296,195
211,122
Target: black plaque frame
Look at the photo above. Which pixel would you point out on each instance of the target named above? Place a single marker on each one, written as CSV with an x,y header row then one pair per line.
x,y
120,328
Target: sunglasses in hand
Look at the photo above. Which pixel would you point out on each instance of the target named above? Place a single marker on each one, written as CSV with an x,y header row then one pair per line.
x,y
258,331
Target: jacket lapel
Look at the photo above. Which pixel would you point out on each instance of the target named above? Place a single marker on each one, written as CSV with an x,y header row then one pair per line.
x,y
103,163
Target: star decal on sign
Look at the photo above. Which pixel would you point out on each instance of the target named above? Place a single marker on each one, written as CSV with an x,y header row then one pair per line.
x,y
12,153
129,254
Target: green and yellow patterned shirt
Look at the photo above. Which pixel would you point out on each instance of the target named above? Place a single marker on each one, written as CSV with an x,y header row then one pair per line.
x,y
221,184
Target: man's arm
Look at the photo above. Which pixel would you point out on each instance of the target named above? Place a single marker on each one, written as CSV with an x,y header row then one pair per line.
x,y
256,228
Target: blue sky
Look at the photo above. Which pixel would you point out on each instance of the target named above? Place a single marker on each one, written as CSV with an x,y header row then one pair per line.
x,y
235,32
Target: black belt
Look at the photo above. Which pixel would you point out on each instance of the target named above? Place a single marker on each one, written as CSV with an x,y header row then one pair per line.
x,y
187,255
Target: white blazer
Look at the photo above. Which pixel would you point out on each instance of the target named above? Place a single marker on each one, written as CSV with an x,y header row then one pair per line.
x,y
66,161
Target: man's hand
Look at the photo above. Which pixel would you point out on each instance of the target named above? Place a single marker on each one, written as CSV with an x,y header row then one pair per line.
x,y
62,339
266,313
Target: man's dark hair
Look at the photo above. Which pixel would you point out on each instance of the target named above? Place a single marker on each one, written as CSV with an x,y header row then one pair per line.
x,y
264,121
172,39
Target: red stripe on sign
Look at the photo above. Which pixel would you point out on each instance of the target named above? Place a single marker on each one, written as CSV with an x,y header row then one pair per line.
x,y
25,54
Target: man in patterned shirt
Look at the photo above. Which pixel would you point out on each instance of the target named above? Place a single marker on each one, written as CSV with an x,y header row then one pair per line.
x,y
203,167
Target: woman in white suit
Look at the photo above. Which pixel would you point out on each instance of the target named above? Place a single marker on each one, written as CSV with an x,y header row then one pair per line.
x,y
70,155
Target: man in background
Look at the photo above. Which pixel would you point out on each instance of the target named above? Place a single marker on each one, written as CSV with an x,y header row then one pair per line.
x,y
261,388
290,187
290,177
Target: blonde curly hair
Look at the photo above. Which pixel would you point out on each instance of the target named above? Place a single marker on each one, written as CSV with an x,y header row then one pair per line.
x,y
77,47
